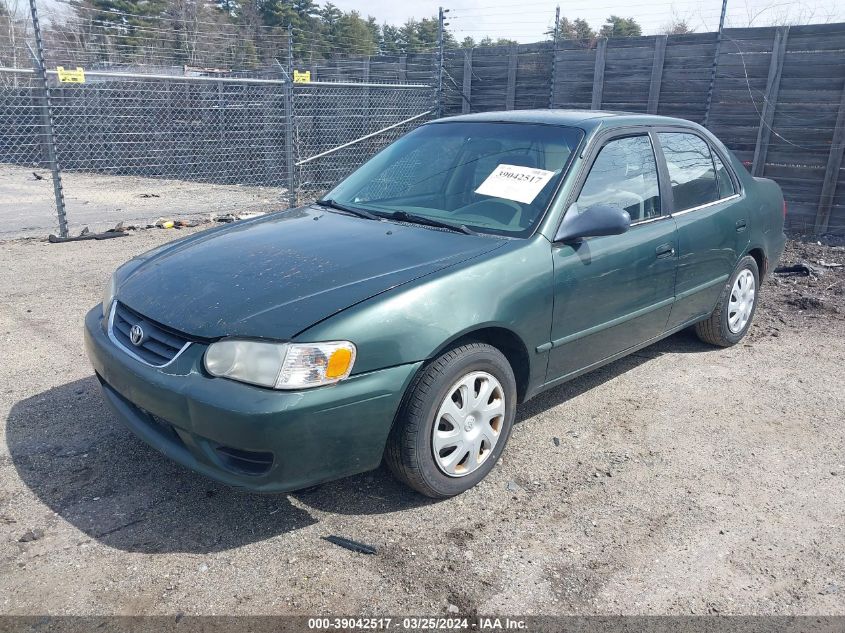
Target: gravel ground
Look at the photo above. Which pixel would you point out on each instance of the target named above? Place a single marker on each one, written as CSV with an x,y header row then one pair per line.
x,y
681,480
99,201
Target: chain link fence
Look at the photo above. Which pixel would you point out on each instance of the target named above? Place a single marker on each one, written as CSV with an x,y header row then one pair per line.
x,y
148,131
27,198
336,125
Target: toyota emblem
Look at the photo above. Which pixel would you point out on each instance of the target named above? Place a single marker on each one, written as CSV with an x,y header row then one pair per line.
x,y
136,335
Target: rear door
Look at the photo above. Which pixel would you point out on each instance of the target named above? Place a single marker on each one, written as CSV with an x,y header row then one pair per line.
x,y
711,219
614,292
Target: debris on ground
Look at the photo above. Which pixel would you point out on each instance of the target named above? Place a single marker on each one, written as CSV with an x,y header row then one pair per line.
x,y
148,195
31,535
806,285
37,176
807,303
248,215
86,234
556,440
234,217
167,223
186,224
354,546
801,268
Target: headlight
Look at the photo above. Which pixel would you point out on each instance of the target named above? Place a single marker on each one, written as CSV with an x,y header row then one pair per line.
x,y
281,365
108,295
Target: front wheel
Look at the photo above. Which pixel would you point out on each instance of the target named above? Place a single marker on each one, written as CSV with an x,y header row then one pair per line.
x,y
455,421
732,317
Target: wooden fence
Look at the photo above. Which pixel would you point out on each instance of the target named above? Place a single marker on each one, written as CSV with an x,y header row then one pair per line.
x,y
775,96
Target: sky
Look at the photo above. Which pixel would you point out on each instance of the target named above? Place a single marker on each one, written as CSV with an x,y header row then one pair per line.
x,y
527,21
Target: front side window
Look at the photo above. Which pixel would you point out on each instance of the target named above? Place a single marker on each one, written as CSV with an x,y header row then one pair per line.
x,y
496,178
624,175
691,169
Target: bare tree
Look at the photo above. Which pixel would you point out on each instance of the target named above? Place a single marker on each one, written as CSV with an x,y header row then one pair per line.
x,y
677,25
783,14
14,23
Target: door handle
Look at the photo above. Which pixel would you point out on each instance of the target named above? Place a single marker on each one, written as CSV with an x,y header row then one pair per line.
x,y
741,225
664,250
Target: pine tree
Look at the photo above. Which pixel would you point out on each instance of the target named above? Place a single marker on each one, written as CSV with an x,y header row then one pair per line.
x,y
353,35
389,43
127,30
620,27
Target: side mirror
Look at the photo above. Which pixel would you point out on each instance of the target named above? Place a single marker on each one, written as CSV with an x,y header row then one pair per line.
x,y
599,219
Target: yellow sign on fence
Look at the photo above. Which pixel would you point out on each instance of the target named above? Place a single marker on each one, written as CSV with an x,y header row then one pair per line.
x,y
301,76
70,76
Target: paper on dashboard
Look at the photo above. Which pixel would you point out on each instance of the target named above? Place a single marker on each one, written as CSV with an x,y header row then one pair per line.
x,y
515,182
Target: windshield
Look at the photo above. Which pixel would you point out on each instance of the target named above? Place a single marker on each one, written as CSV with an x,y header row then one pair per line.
x,y
491,177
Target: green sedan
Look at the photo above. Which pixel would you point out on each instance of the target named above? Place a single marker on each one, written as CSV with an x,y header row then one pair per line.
x,y
472,264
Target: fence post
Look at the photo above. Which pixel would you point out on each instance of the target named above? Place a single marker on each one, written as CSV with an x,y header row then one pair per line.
x,y
510,94
290,159
365,95
441,15
656,73
466,103
221,109
598,74
764,131
48,135
555,35
831,173
715,63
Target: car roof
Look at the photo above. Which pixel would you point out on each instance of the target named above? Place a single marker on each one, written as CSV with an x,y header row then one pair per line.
x,y
586,119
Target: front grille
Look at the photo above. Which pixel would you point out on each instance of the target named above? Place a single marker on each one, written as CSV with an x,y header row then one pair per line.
x,y
158,346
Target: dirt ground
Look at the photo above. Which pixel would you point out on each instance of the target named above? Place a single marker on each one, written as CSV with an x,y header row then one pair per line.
x,y
681,480
99,201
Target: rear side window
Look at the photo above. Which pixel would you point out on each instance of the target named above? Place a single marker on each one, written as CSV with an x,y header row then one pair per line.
x,y
691,169
726,185
624,175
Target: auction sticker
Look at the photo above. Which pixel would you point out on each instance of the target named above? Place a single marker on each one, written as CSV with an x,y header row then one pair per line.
x,y
514,182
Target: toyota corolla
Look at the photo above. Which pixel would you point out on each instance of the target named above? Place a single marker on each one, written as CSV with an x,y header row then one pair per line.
x,y
472,264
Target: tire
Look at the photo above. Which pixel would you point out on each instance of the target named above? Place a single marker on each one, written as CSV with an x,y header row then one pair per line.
x,y
410,451
717,329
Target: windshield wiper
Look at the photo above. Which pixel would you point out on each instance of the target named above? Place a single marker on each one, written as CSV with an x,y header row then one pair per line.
x,y
361,213
404,216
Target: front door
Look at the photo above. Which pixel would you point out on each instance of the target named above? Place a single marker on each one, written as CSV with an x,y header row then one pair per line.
x,y
614,292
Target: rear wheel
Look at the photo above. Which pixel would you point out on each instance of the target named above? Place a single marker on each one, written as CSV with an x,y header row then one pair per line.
x,y
729,322
455,421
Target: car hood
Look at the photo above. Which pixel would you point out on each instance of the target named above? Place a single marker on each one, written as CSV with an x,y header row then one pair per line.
x,y
275,276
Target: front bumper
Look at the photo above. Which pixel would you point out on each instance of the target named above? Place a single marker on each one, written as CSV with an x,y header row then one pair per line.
x,y
245,436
